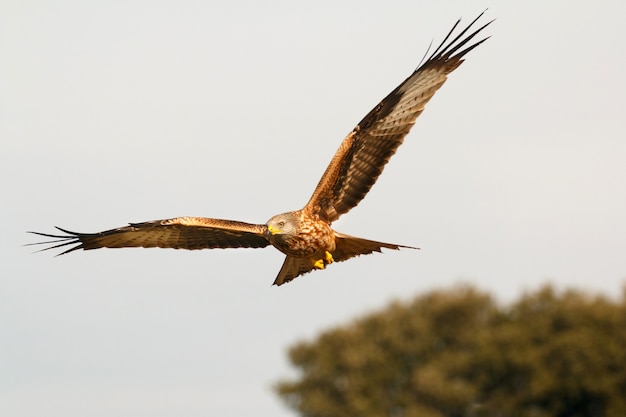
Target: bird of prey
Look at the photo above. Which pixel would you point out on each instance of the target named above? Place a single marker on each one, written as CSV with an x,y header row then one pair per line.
x,y
305,236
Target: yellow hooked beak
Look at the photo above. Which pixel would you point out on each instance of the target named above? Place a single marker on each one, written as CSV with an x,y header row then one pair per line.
x,y
273,230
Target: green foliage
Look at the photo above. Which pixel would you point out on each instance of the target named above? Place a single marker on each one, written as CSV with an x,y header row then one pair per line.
x,y
458,354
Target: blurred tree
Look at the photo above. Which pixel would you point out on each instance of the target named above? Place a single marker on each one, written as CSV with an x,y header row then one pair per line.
x,y
458,354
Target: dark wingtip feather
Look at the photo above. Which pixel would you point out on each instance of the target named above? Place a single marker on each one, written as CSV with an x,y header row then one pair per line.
x,y
70,238
450,49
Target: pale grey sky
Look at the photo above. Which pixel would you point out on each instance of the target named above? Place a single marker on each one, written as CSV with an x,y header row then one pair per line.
x,y
116,112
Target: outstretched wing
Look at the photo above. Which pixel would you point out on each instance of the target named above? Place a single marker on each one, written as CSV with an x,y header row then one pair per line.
x,y
365,151
177,233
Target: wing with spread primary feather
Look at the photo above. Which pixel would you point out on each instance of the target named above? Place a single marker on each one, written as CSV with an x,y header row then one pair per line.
x,y
177,233
363,154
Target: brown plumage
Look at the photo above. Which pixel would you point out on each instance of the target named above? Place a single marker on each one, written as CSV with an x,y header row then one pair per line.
x,y
305,235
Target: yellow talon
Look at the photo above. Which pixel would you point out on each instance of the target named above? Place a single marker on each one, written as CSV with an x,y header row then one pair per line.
x,y
319,264
329,258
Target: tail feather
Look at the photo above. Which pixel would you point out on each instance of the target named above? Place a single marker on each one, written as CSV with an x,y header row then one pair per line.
x,y
292,268
346,247
350,246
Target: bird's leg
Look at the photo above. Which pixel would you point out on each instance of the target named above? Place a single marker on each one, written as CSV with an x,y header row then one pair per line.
x,y
321,263
328,258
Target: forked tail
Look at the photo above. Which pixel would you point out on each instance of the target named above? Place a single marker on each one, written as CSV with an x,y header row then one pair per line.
x,y
346,247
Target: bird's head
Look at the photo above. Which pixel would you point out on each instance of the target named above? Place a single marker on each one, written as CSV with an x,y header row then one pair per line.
x,y
282,224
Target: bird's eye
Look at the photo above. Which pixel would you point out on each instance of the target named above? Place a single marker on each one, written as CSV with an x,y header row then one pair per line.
x,y
280,224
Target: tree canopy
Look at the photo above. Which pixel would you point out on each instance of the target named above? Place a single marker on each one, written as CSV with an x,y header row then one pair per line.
x,y
457,353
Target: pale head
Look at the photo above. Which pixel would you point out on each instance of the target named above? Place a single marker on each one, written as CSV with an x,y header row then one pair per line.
x,y
283,224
